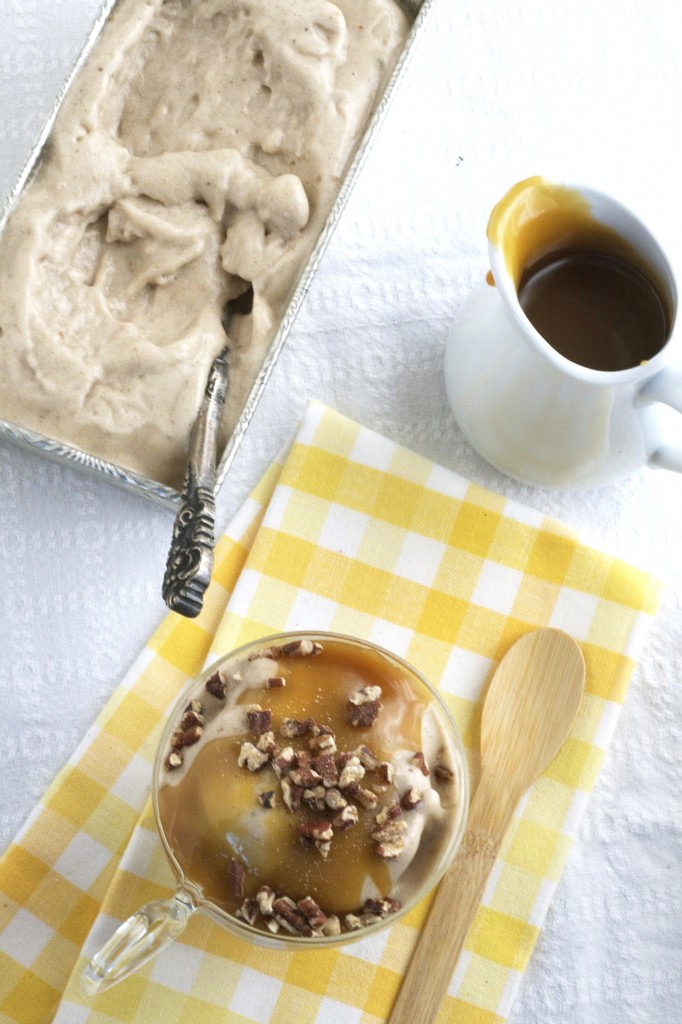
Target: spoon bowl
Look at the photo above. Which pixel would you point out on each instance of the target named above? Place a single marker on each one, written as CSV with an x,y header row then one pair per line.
x,y
530,706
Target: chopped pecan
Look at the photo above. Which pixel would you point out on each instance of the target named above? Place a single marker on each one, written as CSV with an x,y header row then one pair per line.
x,y
391,832
365,695
217,686
282,922
315,917
237,876
267,799
315,830
177,740
382,907
292,795
325,766
366,798
191,735
276,682
305,777
389,813
302,648
265,897
283,762
315,798
290,917
389,851
368,759
345,818
318,834
366,919
352,771
352,922
273,652
363,716
322,730
251,757
173,761
332,926
303,759
419,760
334,798
386,771
323,743
293,727
248,910
196,706
260,720
190,719
411,798
442,772
266,743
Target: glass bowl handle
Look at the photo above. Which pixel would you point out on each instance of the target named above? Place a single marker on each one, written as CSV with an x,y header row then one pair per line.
x,y
137,940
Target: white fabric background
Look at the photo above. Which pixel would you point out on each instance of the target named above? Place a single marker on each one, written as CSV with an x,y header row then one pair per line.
x,y
574,89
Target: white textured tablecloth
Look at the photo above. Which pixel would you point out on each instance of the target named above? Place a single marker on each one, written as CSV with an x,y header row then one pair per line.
x,y
577,90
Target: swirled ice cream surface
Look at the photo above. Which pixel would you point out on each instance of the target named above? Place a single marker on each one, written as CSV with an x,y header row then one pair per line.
x,y
187,177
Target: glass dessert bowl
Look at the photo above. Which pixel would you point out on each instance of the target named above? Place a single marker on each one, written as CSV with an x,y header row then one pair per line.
x,y
308,789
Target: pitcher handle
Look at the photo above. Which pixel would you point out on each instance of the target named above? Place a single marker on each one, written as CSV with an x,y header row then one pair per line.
x,y
136,941
665,387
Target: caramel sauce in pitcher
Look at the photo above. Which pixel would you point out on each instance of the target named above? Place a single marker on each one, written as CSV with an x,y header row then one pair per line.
x,y
583,287
595,309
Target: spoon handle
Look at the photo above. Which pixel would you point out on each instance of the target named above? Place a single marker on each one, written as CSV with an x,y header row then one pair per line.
x,y
459,894
190,559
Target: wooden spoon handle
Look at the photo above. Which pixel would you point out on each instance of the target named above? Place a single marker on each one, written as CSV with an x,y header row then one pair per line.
x,y
458,897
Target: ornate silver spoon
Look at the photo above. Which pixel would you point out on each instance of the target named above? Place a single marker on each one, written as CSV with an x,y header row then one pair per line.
x,y
190,559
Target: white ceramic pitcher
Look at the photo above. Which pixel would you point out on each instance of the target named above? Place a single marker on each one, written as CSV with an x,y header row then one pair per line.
x,y
524,407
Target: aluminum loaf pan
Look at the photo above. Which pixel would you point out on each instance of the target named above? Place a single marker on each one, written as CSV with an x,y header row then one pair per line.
x,y
161,493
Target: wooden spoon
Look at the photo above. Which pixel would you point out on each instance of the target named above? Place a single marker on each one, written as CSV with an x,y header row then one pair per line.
x,y
531,704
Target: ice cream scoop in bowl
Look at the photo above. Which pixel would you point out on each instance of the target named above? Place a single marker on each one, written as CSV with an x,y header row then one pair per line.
x,y
308,789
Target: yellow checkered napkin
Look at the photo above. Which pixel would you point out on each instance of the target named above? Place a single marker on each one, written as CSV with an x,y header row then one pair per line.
x,y
357,535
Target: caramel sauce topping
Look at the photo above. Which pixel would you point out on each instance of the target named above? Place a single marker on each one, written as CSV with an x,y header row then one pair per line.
x,y
213,813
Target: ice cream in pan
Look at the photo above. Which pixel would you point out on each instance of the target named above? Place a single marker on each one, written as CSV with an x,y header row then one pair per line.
x,y
187,177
